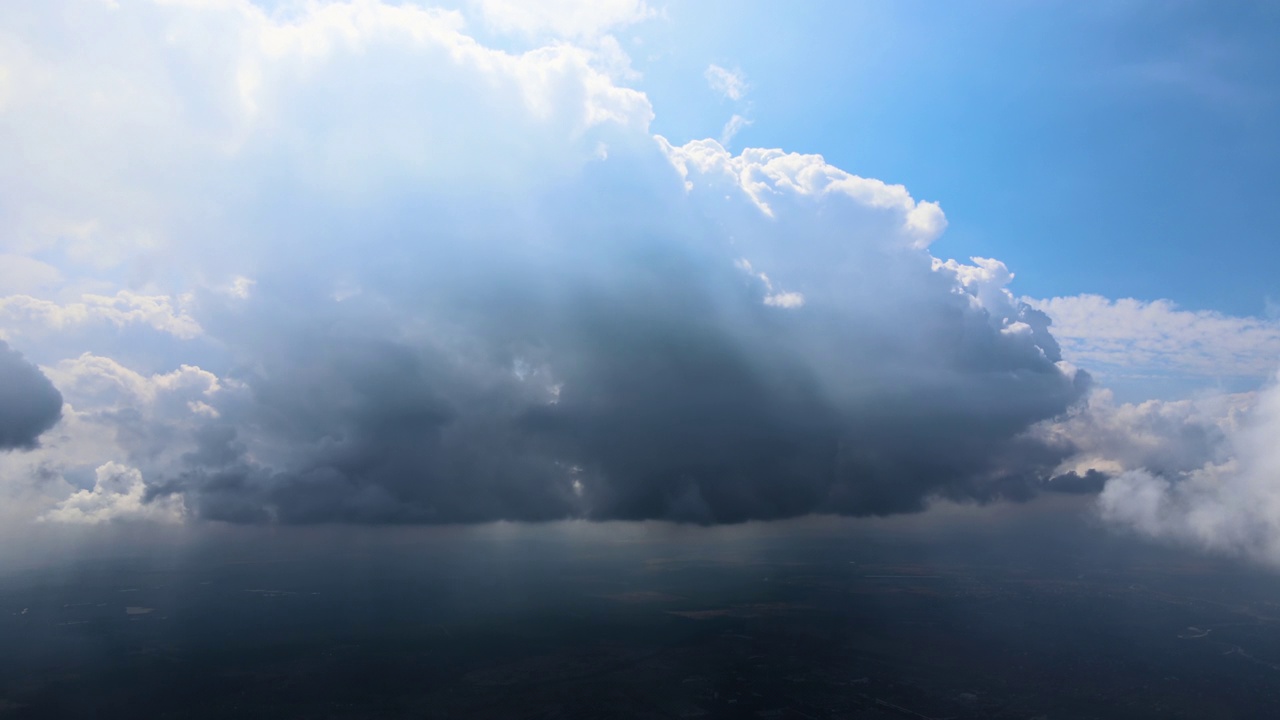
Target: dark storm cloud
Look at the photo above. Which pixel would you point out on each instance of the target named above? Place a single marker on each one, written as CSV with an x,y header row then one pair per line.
x,y
29,403
606,365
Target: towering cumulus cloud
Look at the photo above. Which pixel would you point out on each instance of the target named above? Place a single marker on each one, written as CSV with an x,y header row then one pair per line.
x,y
29,404
420,280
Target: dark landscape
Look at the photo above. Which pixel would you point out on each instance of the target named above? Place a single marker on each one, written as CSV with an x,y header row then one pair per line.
x,y
558,622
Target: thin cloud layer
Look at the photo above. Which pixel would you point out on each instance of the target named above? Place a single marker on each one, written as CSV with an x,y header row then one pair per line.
x,y
426,281
577,19
1130,337
729,83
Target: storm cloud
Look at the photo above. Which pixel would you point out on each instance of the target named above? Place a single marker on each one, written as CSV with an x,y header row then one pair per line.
x,y
29,403
420,280
631,365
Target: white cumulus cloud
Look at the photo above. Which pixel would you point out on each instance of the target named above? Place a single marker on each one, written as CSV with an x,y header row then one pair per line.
x,y
1231,504
159,312
118,494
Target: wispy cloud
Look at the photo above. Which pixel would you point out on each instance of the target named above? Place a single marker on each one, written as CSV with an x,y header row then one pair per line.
x,y
575,19
1135,337
731,128
731,84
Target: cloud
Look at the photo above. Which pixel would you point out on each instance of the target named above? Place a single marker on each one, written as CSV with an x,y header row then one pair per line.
x,y
1197,472
112,415
483,290
29,403
1172,438
118,494
765,174
1230,504
640,377
18,272
103,382
1090,482
358,84
577,19
123,308
731,128
1130,337
785,300
731,84
774,297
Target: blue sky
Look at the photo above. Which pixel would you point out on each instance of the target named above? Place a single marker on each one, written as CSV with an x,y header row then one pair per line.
x,y
1125,149
364,261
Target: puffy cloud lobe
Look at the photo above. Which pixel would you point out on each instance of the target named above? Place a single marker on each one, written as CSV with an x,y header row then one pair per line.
x,y
118,494
1089,483
1229,504
1170,438
763,174
123,308
1196,472
100,382
112,415
29,403
462,310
